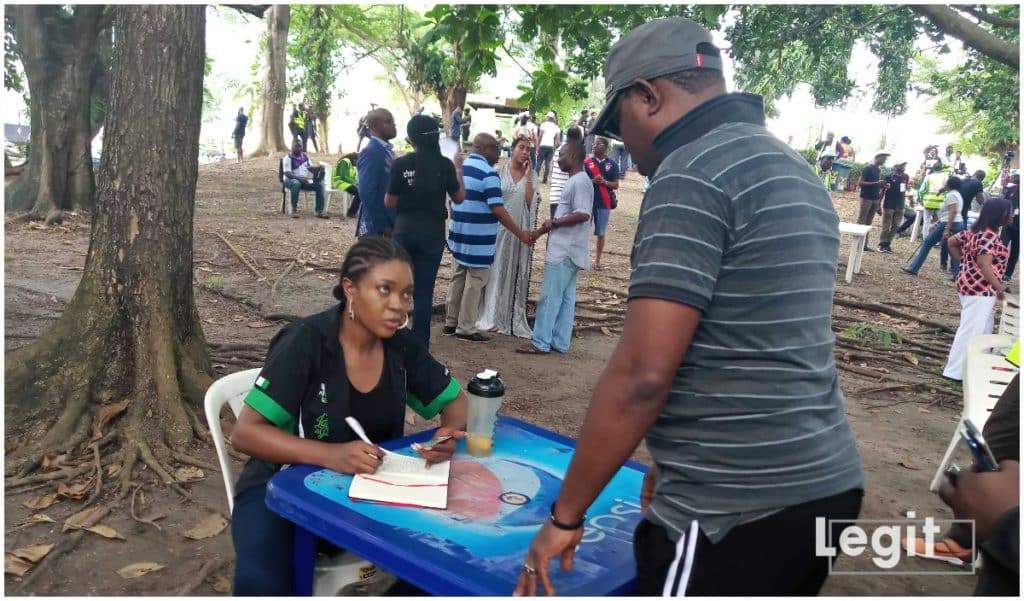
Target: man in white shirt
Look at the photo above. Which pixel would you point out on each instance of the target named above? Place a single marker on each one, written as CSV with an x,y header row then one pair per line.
x,y
549,132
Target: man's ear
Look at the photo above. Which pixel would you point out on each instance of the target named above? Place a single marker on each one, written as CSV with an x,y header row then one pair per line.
x,y
649,95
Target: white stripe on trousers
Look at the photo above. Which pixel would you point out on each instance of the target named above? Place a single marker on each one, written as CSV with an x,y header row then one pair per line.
x,y
687,545
977,317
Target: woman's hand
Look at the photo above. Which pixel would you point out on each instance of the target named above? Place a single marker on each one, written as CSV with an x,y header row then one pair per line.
x,y
441,452
647,490
352,457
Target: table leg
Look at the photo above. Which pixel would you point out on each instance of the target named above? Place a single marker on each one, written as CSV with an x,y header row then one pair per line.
x,y
851,259
303,562
860,252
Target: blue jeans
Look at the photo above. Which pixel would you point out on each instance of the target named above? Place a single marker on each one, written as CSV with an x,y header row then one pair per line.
x,y
556,308
934,237
295,185
426,251
544,156
263,546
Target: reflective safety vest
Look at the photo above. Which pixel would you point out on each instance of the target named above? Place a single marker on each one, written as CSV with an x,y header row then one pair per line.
x,y
1014,355
828,178
929,193
300,121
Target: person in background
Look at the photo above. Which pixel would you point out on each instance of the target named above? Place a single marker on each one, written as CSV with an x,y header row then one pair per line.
x,y
472,236
298,175
503,144
825,146
374,168
844,149
355,359
456,124
346,178
420,182
734,391
825,170
311,128
299,119
1011,233
568,253
959,166
559,177
893,205
931,190
549,132
362,131
971,188
293,122
982,257
467,122
604,173
950,223
504,299
239,132
871,185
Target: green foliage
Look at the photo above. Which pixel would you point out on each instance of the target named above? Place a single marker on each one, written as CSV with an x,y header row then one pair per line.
x,y
13,76
810,155
314,54
552,89
873,335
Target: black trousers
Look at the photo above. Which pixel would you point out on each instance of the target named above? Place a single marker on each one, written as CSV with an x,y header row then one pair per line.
x,y
1011,238
772,556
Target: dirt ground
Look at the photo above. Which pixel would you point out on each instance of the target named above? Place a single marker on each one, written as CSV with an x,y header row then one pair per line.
x,y
900,443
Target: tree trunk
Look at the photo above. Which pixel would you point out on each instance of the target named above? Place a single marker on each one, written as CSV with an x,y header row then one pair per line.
x,y
454,99
131,331
275,92
60,58
321,133
971,34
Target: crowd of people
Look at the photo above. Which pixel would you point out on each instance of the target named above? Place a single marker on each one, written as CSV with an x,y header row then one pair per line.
x,y
740,406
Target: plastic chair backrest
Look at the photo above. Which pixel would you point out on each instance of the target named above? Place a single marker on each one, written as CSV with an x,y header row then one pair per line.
x,y
1009,321
987,375
230,389
280,170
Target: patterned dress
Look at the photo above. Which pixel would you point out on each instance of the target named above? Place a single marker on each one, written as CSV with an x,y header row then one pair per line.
x,y
504,300
971,282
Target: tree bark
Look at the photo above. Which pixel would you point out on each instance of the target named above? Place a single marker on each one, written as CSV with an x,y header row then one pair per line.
x,y
275,91
990,18
59,52
131,330
971,34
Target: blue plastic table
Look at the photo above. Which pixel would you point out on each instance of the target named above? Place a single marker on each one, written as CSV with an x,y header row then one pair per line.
x,y
477,546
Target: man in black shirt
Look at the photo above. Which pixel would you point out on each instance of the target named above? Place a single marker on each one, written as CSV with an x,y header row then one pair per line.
x,y
971,189
871,184
892,207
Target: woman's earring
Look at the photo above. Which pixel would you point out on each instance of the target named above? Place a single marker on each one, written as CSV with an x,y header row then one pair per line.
x,y
406,324
351,312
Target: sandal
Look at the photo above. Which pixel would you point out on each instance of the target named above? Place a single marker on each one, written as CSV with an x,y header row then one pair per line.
x,y
529,349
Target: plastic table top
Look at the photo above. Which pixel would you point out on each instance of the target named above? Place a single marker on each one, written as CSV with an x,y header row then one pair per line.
x,y
496,505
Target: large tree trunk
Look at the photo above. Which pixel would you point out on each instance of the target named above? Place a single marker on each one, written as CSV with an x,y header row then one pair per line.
x,y
131,332
59,54
275,92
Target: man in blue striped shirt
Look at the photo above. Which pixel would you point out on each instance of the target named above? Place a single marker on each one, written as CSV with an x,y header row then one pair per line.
x,y
471,239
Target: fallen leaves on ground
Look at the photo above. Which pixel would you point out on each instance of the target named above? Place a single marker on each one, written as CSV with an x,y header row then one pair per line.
x,y
105,531
221,585
259,324
114,468
908,465
75,491
20,561
139,569
53,462
188,474
40,518
212,525
80,519
41,502
107,413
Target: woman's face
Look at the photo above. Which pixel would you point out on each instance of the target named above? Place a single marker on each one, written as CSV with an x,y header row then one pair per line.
x,y
521,153
383,297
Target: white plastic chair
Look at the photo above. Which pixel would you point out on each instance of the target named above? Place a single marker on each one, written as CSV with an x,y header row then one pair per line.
x,y
1009,321
985,378
331,574
286,206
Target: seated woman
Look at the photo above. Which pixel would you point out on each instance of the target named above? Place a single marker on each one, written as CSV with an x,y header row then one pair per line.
x,y
354,359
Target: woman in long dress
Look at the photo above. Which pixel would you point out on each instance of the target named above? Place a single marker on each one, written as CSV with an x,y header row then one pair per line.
x,y
504,300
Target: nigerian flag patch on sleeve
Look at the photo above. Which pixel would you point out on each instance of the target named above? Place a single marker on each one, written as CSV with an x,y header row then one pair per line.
x,y
262,383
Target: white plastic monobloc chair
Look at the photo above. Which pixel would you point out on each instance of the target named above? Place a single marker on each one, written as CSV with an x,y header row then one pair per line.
x,y
1009,321
332,574
985,378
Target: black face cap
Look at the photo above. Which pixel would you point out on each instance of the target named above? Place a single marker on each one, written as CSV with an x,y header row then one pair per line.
x,y
653,50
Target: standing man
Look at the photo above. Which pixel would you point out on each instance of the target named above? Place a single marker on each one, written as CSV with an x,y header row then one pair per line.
x,y
311,128
604,174
472,237
932,190
456,133
971,188
467,121
959,167
239,133
568,254
825,170
299,121
1011,233
374,168
738,396
549,132
892,207
871,184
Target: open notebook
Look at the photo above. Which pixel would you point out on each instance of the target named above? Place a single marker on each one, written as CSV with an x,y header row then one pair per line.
x,y
404,480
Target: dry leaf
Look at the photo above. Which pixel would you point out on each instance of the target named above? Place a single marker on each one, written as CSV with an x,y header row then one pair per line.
x,y
221,585
33,553
40,518
908,465
114,468
607,332
107,413
80,519
75,491
212,525
104,531
52,462
911,358
259,324
188,474
923,410
15,566
41,502
139,569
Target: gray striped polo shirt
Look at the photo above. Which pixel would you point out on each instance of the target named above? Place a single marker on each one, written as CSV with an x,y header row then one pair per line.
x,y
736,224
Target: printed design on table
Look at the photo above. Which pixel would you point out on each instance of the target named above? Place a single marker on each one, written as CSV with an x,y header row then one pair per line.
x,y
496,504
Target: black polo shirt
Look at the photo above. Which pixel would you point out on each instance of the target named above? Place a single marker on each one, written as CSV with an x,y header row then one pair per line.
x,y
896,193
303,388
871,173
420,211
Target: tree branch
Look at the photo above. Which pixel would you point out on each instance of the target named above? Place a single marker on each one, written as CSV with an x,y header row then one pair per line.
x,y
971,34
255,10
982,15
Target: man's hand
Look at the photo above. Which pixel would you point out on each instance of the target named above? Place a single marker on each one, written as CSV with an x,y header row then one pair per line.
x,y
525,237
598,179
647,490
549,543
441,452
983,496
460,158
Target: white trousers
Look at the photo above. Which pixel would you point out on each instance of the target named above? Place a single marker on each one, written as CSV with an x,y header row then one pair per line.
x,y
977,317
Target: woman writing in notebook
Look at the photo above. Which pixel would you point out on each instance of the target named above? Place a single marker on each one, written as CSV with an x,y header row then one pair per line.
x,y
356,359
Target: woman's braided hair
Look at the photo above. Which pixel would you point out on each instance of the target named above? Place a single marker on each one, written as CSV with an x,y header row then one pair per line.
x,y
366,254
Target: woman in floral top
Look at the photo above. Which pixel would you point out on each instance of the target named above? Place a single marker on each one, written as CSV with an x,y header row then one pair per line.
x,y
980,282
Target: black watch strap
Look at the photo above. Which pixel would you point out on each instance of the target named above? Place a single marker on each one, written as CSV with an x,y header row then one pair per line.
x,y
563,525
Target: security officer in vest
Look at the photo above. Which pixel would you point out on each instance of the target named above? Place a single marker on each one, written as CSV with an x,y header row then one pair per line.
x,y
931,191
824,170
